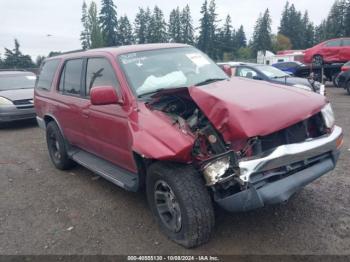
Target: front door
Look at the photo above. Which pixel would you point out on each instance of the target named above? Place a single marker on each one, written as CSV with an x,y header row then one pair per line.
x,y
107,132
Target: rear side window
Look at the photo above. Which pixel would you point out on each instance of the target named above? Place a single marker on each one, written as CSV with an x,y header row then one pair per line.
x,y
70,81
99,72
47,74
333,43
346,42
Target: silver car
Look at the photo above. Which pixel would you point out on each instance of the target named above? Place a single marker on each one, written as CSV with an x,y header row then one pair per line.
x,y
16,95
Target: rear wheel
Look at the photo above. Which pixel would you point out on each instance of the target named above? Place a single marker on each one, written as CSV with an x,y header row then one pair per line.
x,y
317,60
57,147
180,203
348,87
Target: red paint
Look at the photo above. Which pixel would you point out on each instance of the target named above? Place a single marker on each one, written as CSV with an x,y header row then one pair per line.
x,y
345,68
330,54
103,95
239,108
243,108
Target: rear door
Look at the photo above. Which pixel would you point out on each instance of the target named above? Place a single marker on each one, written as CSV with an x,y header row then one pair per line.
x,y
345,50
70,102
107,132
331,50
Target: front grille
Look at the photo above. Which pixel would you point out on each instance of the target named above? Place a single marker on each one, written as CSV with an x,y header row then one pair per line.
x,y
24,103
310,128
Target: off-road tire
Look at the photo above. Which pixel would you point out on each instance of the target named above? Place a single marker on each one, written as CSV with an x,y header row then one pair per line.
x,y
197,214
58,152
317,60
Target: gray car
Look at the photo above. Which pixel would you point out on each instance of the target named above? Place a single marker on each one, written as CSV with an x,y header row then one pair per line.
x,y
16,95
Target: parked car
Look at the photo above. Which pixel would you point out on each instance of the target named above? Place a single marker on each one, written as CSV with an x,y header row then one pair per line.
x,y
289,67
343,79
167,118
274,75
16,96
345,67
330,51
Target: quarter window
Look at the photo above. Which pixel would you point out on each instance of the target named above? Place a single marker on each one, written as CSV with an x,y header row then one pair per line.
x,y
70,81
100,73
47,74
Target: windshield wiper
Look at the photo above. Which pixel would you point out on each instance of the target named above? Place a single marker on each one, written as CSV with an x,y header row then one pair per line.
x,y
210,80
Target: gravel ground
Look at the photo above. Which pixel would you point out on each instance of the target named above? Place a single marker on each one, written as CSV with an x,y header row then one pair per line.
x,y
46,211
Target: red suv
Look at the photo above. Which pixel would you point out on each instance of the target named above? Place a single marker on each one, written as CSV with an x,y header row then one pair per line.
x,y
167,118
331,51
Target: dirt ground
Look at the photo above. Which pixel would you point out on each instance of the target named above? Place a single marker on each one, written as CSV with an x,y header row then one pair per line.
x,y
46,211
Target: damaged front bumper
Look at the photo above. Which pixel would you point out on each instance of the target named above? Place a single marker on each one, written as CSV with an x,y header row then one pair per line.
x,y
275,177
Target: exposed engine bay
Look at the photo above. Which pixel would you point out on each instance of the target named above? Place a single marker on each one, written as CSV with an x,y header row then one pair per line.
x,y
216,158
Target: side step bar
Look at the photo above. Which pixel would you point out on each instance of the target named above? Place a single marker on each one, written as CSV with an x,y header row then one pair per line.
x,y
106,169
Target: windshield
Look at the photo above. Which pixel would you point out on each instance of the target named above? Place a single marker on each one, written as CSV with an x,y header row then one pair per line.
x,y
272,72
16,81
149,71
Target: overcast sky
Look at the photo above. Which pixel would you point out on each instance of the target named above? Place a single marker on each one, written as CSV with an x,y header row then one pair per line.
x,y
31,21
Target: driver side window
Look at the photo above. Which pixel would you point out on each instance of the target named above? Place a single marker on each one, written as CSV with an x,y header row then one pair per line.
x,y
100,73
246,72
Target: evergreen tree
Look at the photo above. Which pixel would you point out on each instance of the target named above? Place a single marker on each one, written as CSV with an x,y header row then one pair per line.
x,y
109,23
225,40
240,37
96,39
141,25
291,26
157,27
335,25
262,33
174,26
321,32
85,34
15,59
347,19
125,33
309,32
213,44
187,31
204,34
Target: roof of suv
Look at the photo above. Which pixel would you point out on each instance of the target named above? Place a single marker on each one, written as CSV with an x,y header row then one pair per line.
x,y
122,49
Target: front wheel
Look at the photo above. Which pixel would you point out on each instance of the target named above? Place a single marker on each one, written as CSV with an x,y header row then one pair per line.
x,y
180,203
317,60
348,87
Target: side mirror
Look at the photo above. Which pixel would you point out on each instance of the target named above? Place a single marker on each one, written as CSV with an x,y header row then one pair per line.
x,y
103,95
227,69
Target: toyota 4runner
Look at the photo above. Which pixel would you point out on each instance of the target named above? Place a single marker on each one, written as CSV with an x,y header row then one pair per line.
x,y
167,118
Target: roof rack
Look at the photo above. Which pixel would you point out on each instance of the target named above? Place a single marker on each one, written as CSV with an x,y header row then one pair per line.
x,y
68,52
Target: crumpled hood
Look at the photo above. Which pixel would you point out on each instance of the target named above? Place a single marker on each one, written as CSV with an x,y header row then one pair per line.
x,y
241,108
18,94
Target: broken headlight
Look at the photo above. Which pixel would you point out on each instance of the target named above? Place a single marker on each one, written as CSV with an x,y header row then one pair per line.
x,y
328,116
216,169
